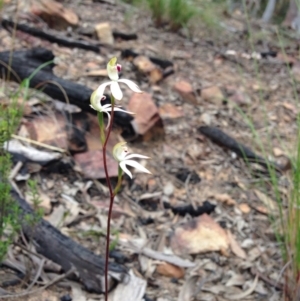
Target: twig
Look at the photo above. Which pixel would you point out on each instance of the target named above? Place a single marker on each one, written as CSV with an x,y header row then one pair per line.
x,y
38,274
15,170
60,277
186,185
57,149
266,279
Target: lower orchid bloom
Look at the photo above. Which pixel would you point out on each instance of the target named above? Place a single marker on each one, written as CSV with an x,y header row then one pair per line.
x,y
113,70
96,105
120,153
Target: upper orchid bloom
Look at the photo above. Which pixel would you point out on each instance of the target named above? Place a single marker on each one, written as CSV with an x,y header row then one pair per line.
x,y
120,153
96,105
113,70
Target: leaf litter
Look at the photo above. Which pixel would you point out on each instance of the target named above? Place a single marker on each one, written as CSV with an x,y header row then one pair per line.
x,y
206,256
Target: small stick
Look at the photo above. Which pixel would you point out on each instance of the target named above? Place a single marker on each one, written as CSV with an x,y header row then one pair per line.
x,y
57,149
60,277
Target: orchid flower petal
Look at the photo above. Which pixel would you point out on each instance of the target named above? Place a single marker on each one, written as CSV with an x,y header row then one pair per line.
x,y
95,101
136,165
120,110
106,107
109,119
131,85
112,69
130,156
125,169
116,91
119,152
100,90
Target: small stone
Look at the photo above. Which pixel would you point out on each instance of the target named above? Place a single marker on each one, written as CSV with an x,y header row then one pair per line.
x,y
185,90
50,184
143,64
212,94
104,33
169,111
277,152
240,98
152,185
169,189
206,119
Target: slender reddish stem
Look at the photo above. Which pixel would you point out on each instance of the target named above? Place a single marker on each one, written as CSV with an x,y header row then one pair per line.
x,y
111,193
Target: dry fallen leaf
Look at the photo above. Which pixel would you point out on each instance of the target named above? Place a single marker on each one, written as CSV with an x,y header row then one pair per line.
x,y
31,153
189,289
199,235
271,206
225,198
248,292
43,198
244,208
278,152
138,246
77,293
212,94
132,289
170,270
57,216
54,13
146,112
91,164
169,111
235,247
235,280
185,90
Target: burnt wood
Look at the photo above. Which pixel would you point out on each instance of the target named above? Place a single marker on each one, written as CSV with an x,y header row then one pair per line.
x,y
51,243
219,137
51,36
25,63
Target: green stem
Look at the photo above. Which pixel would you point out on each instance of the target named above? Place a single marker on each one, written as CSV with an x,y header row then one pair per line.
x,y
102,127
118,186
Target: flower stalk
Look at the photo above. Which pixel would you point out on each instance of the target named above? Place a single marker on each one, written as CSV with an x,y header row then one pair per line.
x,y
120,151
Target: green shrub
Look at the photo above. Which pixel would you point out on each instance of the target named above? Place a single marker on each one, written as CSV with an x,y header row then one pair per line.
x,y
158,9
180,12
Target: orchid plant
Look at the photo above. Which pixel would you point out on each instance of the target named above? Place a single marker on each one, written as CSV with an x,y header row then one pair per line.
x,y
120,151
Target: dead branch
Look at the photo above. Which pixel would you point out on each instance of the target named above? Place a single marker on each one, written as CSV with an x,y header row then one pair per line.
x,y
51,243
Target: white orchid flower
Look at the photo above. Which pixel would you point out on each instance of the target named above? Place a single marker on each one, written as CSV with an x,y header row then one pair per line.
x,y
113,70
120,153
96,99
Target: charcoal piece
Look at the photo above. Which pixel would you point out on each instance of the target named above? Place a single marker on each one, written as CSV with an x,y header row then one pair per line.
x,y
207,208
51,36
184,173
124,36
219,137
